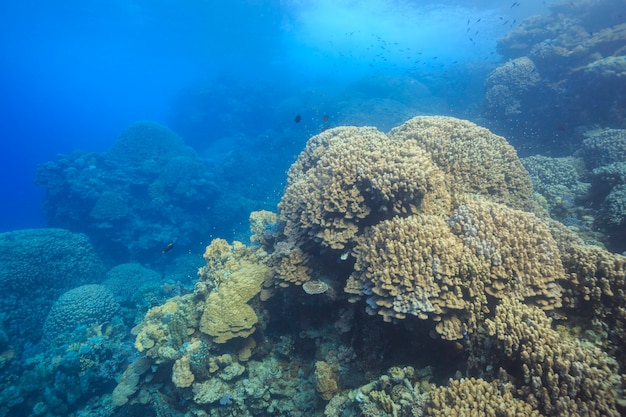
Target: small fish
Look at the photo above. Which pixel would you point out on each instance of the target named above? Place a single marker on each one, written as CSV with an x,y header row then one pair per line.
x,y
324,118
478,19
168,247
298,119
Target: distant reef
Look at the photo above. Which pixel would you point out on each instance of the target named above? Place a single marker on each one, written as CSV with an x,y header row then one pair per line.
x,y
148,190
562,74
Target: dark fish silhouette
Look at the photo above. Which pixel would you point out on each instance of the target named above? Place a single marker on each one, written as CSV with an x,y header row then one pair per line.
x,y
325,118
167,247
298,119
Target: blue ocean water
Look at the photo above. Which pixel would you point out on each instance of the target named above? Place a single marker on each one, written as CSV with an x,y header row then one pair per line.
x,y
137,132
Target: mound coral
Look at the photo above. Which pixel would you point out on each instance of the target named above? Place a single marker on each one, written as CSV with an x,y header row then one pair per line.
x,y
36,267
349,177
412,265
560,375
147,190
474,160
427,267
86,305
471,396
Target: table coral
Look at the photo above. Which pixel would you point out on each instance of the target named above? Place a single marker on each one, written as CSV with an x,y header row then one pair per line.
x,y
36,267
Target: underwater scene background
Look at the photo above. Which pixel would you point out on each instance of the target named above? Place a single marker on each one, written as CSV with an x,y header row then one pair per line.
x,y
313,208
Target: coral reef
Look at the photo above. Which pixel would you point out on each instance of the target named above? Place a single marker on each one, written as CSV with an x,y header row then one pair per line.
x,y
572,56
147,190
36,267
559,375
488,306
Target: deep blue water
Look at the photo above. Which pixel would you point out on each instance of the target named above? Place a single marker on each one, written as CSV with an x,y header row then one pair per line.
x,y
136,132
75,75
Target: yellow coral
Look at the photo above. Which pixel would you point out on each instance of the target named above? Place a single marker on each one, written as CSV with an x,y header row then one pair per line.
x,y
412,265
226,313
561,375
260,221
325,380
471,396
475,160
182,376
349,176
165,328
518,248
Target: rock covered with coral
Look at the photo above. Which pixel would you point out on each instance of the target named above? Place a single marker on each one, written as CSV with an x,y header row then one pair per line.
x,y
36,267
575,55
461,262
86,305
147,190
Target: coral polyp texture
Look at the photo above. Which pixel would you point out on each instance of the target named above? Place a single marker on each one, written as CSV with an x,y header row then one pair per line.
x,y
474,160
349,177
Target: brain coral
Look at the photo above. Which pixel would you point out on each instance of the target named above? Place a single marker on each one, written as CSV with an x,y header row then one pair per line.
x,y
85,305
475,160
36,267
349,177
